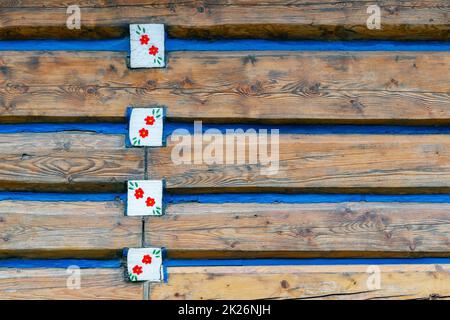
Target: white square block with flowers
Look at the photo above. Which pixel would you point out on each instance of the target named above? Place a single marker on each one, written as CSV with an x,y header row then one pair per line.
x,y
145,198
147,46
146,127
145,264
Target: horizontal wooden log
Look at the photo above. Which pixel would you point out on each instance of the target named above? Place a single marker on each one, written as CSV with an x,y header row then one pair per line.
x,y
310,163
44,284
82,162
66,229
274,87
68,161
400,19
429,281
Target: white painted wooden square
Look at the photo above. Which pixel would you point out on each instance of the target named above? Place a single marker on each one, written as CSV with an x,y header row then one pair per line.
x,y
145,198
146,127
145,264
147,46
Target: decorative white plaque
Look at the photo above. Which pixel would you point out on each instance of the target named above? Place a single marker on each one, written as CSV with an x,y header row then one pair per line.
x,y
147,46
146,127
145,198
145,264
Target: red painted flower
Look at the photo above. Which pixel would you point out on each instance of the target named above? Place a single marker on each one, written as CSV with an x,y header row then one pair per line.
x,y
137,269
143,133
150,120
147,259
153,50
150,202
139,193
144,39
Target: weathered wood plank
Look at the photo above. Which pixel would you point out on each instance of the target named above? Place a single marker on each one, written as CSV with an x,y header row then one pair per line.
x,y
314,163
72,161
40,284
66,229
304,282
401,19
249,230
280,87
307,163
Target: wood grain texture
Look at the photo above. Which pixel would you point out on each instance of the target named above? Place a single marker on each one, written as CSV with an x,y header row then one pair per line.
x,y
68,161
304,282
249,230
316,163
66,229
274,87
401,19
44,284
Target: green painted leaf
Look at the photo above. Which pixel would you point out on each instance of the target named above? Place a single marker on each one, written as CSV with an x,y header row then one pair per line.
x,y
132,277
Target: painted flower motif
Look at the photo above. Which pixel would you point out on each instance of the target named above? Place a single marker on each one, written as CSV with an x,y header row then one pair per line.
x,y
147,259
137,269
153,50
143,133
139,193
150,202
144,39
150,120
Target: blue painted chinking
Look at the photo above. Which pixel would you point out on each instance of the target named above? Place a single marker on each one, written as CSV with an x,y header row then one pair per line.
x,y
314,129
227,45
304,198
62,197
231,198
299,262
169,127
59,263
106,128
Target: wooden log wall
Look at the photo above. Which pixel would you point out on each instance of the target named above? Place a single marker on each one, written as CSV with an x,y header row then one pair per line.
x,y
269,88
